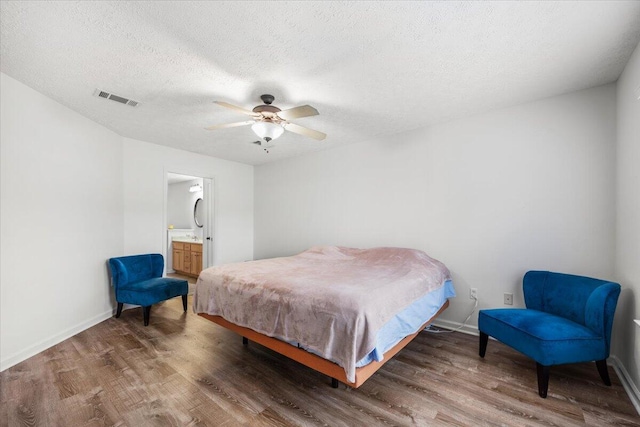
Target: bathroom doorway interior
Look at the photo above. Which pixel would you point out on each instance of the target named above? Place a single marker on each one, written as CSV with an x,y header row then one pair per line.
x,y
188,222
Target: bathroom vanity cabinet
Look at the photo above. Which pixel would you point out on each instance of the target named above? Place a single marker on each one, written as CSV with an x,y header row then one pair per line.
x,y
187,258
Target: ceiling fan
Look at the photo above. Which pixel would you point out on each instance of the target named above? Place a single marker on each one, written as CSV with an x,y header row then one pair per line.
x,y
269,122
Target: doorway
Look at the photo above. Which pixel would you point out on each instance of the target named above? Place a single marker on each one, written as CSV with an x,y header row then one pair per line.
x,y
188,225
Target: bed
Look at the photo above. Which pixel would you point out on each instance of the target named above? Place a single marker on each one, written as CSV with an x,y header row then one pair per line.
x,y
341,311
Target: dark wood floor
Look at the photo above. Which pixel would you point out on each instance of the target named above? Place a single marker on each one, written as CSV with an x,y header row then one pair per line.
x,y
184,370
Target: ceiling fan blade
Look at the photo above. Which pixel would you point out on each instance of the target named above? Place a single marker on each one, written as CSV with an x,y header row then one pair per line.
x,y
298,112
236,108
230,125
305,131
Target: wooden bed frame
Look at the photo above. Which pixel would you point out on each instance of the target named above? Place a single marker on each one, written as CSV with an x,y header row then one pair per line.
x,y
313,361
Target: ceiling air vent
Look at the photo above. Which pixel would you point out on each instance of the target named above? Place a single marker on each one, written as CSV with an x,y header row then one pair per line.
x,y
106,95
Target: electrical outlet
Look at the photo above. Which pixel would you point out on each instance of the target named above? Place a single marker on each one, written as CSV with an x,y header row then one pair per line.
x,y
508,299
473,293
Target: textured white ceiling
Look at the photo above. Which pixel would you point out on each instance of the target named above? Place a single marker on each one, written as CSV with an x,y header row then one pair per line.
x,y
370,68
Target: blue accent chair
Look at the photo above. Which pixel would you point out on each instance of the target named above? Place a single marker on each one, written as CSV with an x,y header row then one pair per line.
x,y
568,319
138,280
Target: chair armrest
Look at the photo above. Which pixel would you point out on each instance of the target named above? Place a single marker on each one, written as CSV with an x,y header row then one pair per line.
x,y
533,284
157,265
601,307
118,272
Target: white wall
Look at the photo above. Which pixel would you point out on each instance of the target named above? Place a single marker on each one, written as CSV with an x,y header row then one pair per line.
x,y
75,194
145,168
492,196
626,337
61,217
180,204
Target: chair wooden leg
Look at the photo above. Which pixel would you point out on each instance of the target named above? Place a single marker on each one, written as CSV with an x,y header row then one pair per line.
x,y
119,310
245,341
543,379
484,339
603,371
147,313
184,302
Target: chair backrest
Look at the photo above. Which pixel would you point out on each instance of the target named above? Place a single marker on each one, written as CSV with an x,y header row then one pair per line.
x,y
135,268
590,302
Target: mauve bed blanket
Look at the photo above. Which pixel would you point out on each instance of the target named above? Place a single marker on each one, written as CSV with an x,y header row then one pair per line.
x,y
330,299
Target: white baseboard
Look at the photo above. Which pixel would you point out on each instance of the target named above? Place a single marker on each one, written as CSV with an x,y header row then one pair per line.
x,y
448,324
627,382
20,356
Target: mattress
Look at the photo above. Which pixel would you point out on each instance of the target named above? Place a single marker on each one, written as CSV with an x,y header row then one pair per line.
x,y
334,301
408,321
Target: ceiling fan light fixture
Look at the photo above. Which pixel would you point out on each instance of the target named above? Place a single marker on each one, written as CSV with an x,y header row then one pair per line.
x,y
267,130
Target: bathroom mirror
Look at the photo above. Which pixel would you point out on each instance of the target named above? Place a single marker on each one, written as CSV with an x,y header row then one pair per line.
x,y
198,214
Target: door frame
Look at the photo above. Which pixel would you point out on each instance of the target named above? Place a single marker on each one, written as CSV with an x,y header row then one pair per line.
x,y
208,231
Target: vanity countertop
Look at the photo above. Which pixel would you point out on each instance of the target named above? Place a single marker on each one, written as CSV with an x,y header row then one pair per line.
x,y
186,240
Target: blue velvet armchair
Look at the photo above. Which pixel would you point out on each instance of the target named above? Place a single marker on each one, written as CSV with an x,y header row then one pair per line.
x,y
568,319
138,280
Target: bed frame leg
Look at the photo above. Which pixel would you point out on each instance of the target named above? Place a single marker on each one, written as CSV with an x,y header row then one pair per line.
x,y
245,341
334,383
